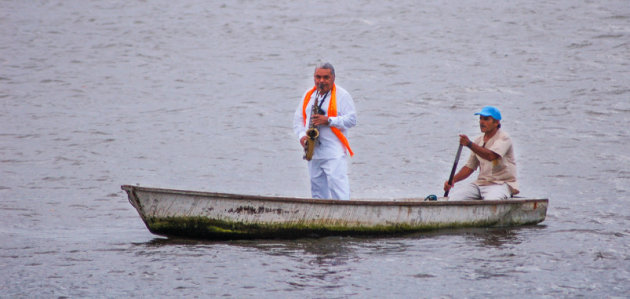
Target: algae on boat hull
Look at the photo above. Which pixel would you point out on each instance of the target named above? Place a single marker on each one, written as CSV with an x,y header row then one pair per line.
x,y
201,227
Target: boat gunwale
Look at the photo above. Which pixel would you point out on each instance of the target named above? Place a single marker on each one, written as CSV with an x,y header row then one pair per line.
x,y
301,200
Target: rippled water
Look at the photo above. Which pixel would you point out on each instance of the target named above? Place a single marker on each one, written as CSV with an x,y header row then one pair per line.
x,y
199,95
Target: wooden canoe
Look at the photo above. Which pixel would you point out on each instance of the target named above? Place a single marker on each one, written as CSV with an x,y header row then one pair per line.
x,y
223,216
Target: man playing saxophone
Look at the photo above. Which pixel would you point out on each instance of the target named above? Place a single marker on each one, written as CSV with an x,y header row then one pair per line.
x,y
328,166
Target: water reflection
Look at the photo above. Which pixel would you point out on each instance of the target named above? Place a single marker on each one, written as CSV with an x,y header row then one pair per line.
x,y
324,251
324,264
334,247
498,237
319,263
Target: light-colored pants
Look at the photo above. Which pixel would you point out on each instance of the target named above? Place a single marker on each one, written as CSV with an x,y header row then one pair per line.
x,y
329,178
473,191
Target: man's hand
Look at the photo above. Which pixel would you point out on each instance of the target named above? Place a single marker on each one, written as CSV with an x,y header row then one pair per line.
x,y
447,186
464,140
320,120
303,141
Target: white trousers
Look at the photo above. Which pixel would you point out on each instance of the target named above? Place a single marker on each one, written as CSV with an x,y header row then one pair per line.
x,y
473,191
329,178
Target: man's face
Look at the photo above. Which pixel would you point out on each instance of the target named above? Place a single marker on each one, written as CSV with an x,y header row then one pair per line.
x,y
487,123
324,80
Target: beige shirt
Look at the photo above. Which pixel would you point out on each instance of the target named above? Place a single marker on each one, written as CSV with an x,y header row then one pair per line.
x,y
499,171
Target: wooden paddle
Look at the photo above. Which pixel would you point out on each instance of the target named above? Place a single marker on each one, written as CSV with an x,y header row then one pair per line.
x,y
450,178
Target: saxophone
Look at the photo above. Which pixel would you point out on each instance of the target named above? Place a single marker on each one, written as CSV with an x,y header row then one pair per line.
x,y
312,133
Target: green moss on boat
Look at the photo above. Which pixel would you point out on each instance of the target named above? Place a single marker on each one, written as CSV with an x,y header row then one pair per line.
x,y
201,227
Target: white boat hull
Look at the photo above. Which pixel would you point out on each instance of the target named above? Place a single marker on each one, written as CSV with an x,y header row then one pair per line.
x,y
229,216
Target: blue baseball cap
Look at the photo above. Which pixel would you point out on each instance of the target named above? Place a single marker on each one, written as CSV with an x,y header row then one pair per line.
x,y
490,111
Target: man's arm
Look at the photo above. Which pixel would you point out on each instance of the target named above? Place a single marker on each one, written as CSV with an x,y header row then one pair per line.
x,y
482,152
462,174
346,112
299,128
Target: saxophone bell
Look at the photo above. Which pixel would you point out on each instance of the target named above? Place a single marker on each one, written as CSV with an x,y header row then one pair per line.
x,y
309,147
312,133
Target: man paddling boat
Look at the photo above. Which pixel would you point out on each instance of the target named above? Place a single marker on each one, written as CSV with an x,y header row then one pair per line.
x,y
493,153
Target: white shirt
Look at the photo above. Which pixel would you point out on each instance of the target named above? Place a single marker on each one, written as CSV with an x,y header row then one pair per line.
x,y
329,145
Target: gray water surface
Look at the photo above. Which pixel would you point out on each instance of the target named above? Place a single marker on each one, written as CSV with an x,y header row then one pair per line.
x,y
200,95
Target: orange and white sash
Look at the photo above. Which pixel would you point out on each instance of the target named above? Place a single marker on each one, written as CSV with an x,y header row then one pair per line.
x,y
332,111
